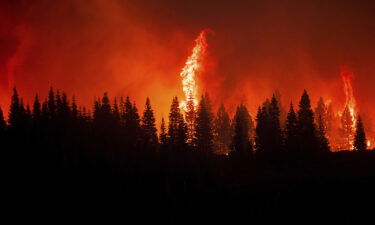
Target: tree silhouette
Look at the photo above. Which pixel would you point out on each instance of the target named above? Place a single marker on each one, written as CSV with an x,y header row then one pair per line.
x,y
74,108
261,142
222,131
174,121
323,143
150,138
15,113
132,125
51,104
241,139
163,133
275,134
360,136
307,132
116,112
203,135
37,111
291,132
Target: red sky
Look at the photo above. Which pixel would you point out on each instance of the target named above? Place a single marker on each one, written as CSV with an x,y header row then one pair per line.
x,y
138,47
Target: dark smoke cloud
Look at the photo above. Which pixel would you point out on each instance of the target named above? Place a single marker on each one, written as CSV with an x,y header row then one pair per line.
x,y
137,48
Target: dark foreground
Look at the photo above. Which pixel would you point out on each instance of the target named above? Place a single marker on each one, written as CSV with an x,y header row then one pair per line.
x,y
191,188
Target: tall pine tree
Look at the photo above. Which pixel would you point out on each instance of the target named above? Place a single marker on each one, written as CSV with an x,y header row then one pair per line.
x,y
241,137
203,135
291,132
360,136
308,143
222,131
150,138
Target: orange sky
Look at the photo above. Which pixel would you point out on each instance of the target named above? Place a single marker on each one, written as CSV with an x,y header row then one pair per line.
x,y
138,47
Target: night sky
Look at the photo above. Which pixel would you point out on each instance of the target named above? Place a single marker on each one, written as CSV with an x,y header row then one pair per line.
x,y
138,48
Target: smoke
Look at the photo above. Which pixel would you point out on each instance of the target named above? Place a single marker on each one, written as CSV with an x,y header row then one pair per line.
x,y
138,48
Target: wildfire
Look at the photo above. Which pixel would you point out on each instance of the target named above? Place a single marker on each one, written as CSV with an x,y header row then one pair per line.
x,y
192,67
350,102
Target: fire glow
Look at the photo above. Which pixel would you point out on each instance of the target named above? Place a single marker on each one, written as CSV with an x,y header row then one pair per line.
x,y
350,102
192,67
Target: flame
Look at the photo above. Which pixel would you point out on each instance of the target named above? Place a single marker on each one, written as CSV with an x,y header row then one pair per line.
x,y
192,67
350,102
368,143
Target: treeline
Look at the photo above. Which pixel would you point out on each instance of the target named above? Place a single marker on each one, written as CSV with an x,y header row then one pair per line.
x,y
58,121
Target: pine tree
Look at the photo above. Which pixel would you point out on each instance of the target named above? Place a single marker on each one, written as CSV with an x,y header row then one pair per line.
x,y
106,107
15,112
308,143
274,133
261,143
222,131
150,138
163,137
74,108
323,143
131,123
65,109
181,134
116,112
37,111
283,110
51,104
174,121
45,112
97,111
241,139
360,136
291,132
203,135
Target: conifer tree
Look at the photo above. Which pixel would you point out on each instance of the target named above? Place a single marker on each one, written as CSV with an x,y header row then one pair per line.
x,y
37,111
116,112
308,143
174,121
74,108
65,109
106,107
131,123
222,131
148,126
275,134
241,139
360,136
291,132
15,112
163,137
203,135
97,111
51,104
323,143
181,133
